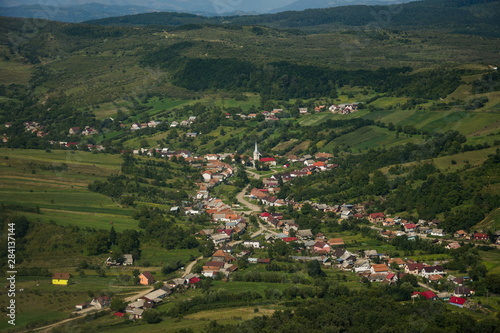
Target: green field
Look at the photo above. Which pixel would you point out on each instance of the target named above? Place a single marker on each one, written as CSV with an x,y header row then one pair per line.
x,y
56,182
371,137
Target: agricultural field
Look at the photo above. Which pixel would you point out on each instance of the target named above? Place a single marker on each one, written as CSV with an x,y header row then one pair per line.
x,y
56,182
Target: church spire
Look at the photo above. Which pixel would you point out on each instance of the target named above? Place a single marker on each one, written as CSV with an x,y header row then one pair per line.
x,y
256,154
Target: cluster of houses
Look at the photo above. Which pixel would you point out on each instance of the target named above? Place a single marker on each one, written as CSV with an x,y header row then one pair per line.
x,y
268,115
344,108
86,131
138,126
183,123
155,123
228,221
266,195
135,309
273,115
221,263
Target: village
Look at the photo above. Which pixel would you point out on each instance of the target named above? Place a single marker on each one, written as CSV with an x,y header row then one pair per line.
x,y
78,132
233,241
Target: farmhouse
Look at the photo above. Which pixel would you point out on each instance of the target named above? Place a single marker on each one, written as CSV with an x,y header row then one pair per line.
x,y
376,217
61,278
146,278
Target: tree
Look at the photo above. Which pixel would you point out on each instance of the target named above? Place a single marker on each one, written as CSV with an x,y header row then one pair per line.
x,y
492,281
314,269
112,236
118,304
151,316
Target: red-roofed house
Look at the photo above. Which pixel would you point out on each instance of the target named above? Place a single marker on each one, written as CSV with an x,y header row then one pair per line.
x,y
321,247
289,239
481,236
414,269
376,217
379,269
268,160
427,294
410,227
194,280
391,277
458,301
320,165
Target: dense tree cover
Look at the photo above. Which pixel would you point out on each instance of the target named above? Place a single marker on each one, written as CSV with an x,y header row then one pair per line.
x,y
487,83
285,80
352,179
362,314
21,106
145,181
410,246
423,189
37,238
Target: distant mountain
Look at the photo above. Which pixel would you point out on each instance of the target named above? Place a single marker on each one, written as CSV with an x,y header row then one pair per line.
x,y
477,17
82,10
311,4
77,13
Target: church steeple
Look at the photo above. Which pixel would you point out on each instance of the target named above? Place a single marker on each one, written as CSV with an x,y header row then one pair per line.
x,y
256,154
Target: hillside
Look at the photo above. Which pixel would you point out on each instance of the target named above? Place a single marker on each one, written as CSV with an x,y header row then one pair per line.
x,y
469,17
285,147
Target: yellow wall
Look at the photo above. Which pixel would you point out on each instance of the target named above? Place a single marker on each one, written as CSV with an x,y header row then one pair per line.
x,y
62,282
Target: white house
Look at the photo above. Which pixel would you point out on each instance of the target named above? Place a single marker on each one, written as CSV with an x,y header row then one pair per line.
x,y
252,244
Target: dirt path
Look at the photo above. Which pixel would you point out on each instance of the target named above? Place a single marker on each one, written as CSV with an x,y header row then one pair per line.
x,y
189,267
421,284
81,314
255,175
241,199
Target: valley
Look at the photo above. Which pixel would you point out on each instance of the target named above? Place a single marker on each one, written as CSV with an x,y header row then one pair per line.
x,y
287,172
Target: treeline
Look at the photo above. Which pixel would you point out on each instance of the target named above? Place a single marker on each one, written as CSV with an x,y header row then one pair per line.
x,y
158,228
34,238
487,83
364,311
352,180
285,80
460,195
431,15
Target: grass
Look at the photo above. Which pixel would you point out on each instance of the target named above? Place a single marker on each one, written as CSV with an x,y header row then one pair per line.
x,y
455,162
490,222
158,256
260,287
371,137
14,72
56,182
491,260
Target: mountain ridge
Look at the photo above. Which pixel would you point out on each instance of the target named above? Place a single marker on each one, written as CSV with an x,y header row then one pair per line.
x,y
465,17
94,10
